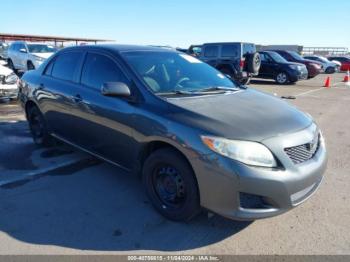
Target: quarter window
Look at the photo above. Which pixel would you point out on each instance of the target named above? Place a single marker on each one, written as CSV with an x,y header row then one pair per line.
x,y
99,69
211,51
230,50
66,65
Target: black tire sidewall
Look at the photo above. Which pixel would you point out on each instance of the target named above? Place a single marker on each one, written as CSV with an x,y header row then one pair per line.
x,y
287,78
171,157
46,138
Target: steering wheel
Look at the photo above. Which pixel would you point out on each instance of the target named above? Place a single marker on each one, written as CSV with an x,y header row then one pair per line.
x,y
181,80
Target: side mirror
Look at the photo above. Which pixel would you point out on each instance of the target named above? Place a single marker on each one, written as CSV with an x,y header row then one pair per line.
x,y
115,89
23,50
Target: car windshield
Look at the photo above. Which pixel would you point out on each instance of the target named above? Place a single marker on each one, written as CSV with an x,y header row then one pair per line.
x,y
38,48
278,58
171,72
295,55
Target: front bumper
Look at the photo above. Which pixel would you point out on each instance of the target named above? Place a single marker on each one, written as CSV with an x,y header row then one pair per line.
x,y
223,182
8,91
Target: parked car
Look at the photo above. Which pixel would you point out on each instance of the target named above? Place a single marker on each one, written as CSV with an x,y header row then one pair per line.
x,y
328,66
8,83
28,56
274,66
238,60
198,138
3,50
344,60
313,67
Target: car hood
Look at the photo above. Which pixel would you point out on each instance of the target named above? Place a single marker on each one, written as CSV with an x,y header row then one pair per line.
x,y
5,71
245,115
43,55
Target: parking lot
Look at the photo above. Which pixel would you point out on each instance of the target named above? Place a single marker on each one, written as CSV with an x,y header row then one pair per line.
x,y
60,201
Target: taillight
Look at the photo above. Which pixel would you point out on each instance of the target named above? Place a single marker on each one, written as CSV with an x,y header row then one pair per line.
x,y
241,63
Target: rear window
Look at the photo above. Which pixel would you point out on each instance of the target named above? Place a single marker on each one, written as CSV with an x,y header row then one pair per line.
x,y
211,51
248,49
230,50
66,65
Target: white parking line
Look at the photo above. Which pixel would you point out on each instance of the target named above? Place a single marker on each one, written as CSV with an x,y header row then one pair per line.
x,y
310,91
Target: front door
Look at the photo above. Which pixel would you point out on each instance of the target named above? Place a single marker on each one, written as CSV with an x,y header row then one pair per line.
x,y
104,122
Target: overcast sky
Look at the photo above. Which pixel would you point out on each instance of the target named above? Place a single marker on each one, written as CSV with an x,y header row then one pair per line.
x,y
184,22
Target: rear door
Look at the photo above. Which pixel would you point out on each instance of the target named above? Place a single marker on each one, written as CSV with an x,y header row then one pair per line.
x,y
265,69
22,57
57,98
210,54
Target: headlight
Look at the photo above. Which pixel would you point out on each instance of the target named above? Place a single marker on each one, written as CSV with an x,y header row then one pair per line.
x,y
250,153
294,67
11,79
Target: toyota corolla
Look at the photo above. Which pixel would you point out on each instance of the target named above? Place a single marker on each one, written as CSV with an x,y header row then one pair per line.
x,y
198,139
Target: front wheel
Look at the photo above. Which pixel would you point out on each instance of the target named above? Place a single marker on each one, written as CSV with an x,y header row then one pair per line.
x,y
282,78
171,185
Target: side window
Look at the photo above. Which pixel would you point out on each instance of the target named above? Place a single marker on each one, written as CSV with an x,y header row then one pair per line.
x,y
263,57
211,51
20,46
48,69
230,50
99,69
66,65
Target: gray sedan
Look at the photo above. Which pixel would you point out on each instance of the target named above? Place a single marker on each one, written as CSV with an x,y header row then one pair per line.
x,y
197,138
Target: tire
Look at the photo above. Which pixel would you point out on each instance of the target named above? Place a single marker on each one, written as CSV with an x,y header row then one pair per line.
x,y
253,63
330,70
30,66
38,127
282,78
171,185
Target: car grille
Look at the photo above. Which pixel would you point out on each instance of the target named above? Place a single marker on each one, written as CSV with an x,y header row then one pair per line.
x,y
302,153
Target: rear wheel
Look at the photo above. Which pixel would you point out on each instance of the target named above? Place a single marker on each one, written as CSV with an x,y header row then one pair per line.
x,y
171,185
38,127
282,78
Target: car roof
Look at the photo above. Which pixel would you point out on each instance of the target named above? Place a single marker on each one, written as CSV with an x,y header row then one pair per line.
x,y
120,48
227,43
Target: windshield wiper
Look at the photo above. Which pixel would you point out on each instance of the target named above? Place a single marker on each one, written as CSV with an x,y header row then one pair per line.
x,y
218,88
176,92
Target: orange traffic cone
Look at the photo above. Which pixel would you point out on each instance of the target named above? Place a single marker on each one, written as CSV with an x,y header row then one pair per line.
x,y
327,83
346,77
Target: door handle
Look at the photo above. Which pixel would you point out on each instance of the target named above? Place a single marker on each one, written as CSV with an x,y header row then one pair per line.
x,y
77,98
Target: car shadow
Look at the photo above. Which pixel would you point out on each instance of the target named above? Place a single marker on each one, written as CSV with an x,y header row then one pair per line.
x,y
95,206
268,82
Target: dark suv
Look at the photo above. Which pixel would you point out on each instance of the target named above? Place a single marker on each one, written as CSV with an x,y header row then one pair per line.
x,y
238,60
274,66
